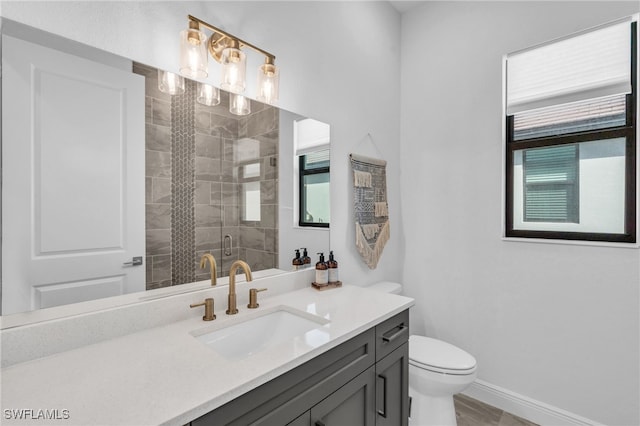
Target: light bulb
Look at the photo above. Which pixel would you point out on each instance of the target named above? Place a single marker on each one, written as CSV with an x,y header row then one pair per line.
x,y
170,83
268,82
193,53
234,69
239,105
208,95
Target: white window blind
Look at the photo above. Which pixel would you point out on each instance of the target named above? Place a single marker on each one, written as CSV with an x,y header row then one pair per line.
x,y
592,114
592,64
311,135
550,184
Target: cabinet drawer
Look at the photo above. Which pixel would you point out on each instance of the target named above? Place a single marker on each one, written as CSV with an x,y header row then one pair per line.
x,y
391,334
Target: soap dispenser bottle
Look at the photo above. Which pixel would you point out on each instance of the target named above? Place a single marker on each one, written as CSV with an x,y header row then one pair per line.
x,y
306,260
332,266
297,261
322,271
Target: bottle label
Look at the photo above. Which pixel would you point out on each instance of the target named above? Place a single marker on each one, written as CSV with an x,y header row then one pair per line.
x,y
322,276
333,275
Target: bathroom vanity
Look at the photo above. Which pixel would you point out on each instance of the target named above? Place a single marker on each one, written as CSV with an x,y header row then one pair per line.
x,y
364,381
350,367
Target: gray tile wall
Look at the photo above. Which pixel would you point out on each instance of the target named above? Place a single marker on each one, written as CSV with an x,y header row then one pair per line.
x,y
157,181
194,158
184,214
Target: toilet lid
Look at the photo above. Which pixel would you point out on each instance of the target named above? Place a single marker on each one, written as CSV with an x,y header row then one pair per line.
x,y
434,354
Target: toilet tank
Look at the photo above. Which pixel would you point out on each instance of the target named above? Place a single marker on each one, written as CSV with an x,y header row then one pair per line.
x,y
387,287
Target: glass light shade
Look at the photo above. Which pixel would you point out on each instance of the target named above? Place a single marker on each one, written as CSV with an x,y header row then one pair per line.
x,y
268,82
234,70
239,105
170,83
208,95
193,54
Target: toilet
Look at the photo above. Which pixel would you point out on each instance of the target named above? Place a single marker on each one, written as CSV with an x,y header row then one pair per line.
x,y
437,371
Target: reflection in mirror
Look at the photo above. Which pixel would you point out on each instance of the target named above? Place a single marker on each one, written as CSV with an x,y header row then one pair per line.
x,y
122,170
211,179
313,151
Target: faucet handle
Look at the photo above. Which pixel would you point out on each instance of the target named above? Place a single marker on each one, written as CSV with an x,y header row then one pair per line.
x,y
253,297
208,309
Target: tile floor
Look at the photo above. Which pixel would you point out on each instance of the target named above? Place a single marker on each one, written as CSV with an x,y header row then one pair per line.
x,y
471,412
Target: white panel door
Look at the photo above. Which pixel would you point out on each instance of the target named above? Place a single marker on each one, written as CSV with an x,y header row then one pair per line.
x,y
73,178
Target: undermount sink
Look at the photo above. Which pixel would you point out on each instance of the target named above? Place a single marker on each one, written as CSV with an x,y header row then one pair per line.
x,y
270,329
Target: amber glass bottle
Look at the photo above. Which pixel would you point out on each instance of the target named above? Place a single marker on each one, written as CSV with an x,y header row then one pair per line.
x,y
322,271
332,264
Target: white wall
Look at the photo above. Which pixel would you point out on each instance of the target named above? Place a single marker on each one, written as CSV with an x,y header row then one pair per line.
x,y
340,64
556,323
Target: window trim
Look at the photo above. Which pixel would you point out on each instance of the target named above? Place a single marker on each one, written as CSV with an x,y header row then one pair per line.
x,y
302,172
629,132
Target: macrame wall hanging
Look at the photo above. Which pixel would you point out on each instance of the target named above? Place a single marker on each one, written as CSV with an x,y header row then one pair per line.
x,y
371,211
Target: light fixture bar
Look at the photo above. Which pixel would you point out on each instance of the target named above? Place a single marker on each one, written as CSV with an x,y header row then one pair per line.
x,y
269,57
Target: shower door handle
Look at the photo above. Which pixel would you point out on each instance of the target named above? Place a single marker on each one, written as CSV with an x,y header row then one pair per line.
x,y
228,245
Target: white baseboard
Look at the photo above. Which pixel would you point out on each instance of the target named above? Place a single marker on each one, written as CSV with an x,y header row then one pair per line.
x,y
525,407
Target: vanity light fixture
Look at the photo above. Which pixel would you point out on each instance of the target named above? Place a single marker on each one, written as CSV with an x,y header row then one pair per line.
x,y
226,49
170,83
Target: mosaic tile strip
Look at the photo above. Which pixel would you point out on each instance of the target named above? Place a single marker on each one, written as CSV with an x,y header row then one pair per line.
x,y
183,185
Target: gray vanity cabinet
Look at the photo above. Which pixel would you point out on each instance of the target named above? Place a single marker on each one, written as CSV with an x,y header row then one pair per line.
x,y
392,398
392,371
361,382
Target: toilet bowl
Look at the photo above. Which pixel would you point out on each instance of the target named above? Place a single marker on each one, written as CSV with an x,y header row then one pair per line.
x,y
437,371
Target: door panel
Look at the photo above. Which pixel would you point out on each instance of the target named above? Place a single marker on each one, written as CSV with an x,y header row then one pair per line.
x,y
73,178
353,404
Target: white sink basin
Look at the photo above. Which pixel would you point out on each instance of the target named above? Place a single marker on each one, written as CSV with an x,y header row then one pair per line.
x,y
269,330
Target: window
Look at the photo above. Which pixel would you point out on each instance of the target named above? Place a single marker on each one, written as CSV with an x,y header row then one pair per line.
x,y
571,137
312,148
250,184
314,189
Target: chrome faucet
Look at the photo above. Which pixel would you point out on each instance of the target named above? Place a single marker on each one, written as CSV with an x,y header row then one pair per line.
x,y
212,266
233,309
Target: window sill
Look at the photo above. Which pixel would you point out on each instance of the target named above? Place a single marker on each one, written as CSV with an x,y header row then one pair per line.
x,y
571,242
312,228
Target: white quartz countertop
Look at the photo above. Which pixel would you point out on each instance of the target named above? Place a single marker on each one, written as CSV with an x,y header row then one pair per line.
x,y
164,375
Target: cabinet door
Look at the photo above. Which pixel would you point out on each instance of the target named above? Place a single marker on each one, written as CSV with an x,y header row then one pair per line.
x,y
392,388
353,404
303,420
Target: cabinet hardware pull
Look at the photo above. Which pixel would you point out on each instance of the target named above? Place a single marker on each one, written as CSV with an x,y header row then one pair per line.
x,y
319,423
383,412
403,329
410,401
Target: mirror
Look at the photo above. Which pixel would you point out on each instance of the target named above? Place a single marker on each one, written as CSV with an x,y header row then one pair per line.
x,y
210,182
